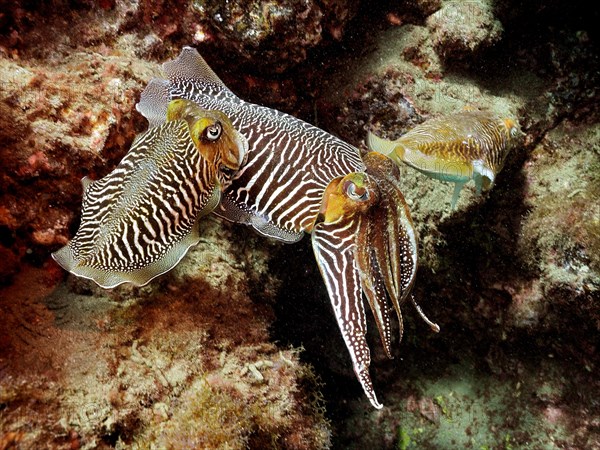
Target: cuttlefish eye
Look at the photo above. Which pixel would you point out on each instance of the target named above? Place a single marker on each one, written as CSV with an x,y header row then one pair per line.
x,y
511,126
356,193
213,132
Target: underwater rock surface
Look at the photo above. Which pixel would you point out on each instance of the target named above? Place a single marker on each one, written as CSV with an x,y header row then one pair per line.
x,y
200,357
182,363
461,29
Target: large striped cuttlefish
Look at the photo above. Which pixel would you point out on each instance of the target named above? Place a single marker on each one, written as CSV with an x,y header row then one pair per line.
x,y
298,178
139,220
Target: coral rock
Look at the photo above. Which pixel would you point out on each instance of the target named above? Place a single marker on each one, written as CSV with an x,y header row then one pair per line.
x,y
461,29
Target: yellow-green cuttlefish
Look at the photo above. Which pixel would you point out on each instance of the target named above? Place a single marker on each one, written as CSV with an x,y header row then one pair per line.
x,y
457,148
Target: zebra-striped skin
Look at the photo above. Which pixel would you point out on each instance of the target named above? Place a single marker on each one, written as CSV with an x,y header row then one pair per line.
x,y
456,148
290,162
298,178
139,221
336,248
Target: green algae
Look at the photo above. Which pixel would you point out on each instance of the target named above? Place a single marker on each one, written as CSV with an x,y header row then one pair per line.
x,y
479,411
403,439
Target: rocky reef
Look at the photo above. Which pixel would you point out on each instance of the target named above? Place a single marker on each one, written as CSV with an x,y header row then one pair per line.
x,y
186,363
210,355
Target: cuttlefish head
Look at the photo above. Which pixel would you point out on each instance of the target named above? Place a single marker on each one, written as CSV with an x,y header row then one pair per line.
x,y
364,242
347,196
141,219
214,136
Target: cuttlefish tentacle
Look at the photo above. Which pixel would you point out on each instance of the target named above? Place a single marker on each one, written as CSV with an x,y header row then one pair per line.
x,y
364,240
391,238
434,326
334,243
141,219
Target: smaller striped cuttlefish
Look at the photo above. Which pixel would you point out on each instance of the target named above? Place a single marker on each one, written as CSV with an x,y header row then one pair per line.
x,y
467,145
139,220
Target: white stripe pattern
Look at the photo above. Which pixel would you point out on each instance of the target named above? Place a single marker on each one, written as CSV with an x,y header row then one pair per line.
x,y
132,216
278,143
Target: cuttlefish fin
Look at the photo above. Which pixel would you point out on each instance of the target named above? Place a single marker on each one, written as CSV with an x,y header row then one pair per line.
x,y
380,145
230,210
86,182
108,279
334,249
190,66
154,102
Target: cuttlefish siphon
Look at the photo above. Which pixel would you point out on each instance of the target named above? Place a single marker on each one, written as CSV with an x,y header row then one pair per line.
x,y
457,148
300,179
140,220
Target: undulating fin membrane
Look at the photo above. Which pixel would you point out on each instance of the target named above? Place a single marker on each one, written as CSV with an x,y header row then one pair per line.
x,y
231,211
154,102
380,145
107,278
140,220
190,66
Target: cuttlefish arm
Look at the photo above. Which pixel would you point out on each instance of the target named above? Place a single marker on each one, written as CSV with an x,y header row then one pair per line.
x,y
141,219
364,242
387,243
334,250
373,285
334,245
